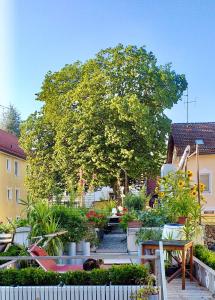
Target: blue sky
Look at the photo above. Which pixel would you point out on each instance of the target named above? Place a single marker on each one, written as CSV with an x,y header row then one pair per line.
x,y
47,34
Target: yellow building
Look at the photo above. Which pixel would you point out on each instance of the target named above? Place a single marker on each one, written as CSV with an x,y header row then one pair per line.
x,y
12,173
203,134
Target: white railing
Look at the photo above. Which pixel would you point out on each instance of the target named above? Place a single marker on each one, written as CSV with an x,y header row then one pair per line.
x,y
70,293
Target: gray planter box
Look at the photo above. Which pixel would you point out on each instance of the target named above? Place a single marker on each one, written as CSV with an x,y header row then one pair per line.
x,y
70,293
204,274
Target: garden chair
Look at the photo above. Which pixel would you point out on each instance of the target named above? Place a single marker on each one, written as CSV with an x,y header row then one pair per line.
x,y
49,264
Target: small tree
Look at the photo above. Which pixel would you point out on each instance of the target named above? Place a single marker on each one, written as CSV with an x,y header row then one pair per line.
x,y
11,121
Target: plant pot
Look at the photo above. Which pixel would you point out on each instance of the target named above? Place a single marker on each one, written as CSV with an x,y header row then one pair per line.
x,y
135,224
21,236
182,220
86,249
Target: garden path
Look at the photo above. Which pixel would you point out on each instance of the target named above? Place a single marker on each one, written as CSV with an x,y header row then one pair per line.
x,y
193,291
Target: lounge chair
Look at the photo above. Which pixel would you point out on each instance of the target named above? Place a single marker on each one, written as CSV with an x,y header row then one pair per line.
x,y
50,264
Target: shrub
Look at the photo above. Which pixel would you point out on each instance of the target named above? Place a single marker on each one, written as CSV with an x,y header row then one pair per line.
x,y
122,275
71,219
155,217
129,274
99,277
148,234
13,251
127,217
134,202
205,255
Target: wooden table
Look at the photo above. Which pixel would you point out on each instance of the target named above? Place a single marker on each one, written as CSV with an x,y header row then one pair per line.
x,y
174,245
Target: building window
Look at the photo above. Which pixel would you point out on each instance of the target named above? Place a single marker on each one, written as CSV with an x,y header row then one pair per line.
x,y
9,194
205,179
8,165
16,168
17,194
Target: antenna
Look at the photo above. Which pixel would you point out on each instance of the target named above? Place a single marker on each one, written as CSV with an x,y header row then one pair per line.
x,y
187,102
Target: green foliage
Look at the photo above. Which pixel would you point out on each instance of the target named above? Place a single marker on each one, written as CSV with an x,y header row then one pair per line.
x,y
6,228
11,121
155,217
122,275
126,218
71,219
148,234
13,251
43,222
136,202
102,116
205,255
179,197
129,274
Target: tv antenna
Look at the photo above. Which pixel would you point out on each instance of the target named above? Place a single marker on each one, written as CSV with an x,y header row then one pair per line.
x,y
187,102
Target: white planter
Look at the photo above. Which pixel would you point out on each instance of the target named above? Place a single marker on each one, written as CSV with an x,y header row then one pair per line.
x,y
79,246
86,248
132,239
72,252
70,292
21,236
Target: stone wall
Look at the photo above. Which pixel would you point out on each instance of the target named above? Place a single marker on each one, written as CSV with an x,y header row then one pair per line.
x,y
209,236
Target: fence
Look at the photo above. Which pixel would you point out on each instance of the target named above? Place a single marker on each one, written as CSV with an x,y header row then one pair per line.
x,y
83,292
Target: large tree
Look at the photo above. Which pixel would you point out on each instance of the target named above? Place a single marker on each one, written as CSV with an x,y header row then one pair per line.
x,y
105,117
11,120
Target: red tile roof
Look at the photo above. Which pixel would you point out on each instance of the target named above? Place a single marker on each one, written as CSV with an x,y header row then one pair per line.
x,y
9,144
184,134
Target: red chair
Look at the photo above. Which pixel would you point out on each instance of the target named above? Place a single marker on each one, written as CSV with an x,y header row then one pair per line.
x,y
50,264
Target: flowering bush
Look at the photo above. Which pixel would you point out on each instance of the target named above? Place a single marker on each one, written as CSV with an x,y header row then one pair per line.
x,y
179,197
99,219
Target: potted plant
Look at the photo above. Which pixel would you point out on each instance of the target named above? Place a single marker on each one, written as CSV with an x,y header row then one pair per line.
x,y
149,292
22,231
130,219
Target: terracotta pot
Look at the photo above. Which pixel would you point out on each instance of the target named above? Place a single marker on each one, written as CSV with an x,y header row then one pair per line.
x,y
182,220
135,224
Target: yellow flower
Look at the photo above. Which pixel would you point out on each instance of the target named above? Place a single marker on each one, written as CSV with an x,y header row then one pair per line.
x,y
181,183
161,194
156,189
189,173
202,187
194,193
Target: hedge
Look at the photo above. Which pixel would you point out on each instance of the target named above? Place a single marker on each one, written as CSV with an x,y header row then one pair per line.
x,y
205,255
116,275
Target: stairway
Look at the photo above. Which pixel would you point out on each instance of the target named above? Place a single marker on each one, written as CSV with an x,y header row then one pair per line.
x,y
113,243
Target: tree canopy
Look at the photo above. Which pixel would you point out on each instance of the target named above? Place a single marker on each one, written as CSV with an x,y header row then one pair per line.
x,y
11,121
105,116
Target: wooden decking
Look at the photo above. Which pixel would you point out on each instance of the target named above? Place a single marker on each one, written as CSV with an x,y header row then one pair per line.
x,y
193,291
